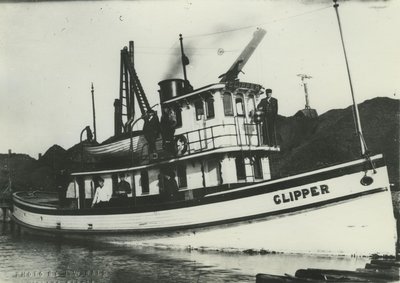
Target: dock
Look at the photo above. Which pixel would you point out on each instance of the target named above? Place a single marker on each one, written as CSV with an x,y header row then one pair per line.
x,y
378,270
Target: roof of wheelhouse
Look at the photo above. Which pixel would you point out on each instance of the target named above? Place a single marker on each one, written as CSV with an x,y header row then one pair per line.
x,y
228,85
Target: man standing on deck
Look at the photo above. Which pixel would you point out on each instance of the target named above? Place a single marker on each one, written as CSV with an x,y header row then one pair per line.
x,y
167,127
269,106
171,186
151,130
102,195
123,188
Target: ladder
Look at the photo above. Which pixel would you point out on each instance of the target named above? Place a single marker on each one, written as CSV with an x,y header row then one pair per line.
x,y
135,82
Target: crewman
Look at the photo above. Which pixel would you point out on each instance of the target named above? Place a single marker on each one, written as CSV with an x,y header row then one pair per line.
x,y
167,127
269,106
123,188
151,130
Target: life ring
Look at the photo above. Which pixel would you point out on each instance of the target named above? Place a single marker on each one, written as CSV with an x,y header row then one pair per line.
x,y
181,145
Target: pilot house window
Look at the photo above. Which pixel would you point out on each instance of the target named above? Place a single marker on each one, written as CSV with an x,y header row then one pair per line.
x,y
210,108
239,105
250,106
228,107
198,105
178,113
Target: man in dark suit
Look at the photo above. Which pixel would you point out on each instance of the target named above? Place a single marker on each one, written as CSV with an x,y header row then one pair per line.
x,y
269,106
151,130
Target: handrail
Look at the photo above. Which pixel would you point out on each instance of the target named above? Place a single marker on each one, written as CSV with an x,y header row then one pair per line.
x,y
203,136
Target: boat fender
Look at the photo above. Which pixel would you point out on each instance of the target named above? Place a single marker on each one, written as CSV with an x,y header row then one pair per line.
x,y
181,145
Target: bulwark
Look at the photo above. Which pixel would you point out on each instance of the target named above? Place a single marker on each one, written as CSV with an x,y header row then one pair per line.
x,y
303,193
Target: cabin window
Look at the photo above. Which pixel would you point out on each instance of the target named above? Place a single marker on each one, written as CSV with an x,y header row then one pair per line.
x,y
182,178
250,106
240,168
210,108
228,107
144,182
178,113
198,105
239,105
258,173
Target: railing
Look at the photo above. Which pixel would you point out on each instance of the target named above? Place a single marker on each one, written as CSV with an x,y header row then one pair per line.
x,y
210,138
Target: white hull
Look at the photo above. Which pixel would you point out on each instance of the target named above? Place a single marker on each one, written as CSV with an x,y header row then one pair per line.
x,y
348,228
343,217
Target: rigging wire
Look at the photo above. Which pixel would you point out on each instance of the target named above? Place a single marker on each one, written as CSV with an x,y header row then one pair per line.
x,y
173,46
260,24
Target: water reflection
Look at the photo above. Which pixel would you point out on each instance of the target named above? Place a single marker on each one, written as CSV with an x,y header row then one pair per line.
x,y
32,258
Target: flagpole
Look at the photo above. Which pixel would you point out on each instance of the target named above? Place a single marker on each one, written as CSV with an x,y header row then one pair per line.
x,y
94,115
183,57
357,116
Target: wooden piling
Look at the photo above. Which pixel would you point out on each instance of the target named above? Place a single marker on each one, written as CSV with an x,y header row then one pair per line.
x,y
4,210
5,206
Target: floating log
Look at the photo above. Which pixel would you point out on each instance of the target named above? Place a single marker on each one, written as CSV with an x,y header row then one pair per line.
x,y
268,278
382,262
387,274
377,266
376,271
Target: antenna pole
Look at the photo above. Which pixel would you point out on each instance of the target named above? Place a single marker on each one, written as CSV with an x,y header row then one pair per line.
x,y
357,115
303,77
94,115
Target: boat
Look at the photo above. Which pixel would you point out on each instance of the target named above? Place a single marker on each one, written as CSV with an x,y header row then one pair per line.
x,y
206,181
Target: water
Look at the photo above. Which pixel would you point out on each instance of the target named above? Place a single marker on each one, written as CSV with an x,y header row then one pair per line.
x,y
33,258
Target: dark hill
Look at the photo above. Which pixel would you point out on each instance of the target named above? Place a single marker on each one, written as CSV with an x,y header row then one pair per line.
x,y
331,138
19,167
55,157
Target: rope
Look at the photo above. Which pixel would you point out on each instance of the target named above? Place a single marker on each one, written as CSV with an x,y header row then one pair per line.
x,y
260,24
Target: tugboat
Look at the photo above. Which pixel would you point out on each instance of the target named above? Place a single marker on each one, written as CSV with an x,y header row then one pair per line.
x,y
200,176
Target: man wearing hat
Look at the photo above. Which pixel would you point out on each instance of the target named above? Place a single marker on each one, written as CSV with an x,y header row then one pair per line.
x,y
269,106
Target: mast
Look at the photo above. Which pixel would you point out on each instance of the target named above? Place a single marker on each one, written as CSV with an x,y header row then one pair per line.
x,y
357,116
185,60
94,115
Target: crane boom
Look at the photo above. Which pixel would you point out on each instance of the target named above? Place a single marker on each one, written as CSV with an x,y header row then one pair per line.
x,y
238,65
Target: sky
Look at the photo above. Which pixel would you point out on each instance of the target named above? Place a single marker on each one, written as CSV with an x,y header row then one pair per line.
x,y
51,52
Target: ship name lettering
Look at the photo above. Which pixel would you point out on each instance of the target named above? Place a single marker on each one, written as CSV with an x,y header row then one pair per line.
x,y
301,194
